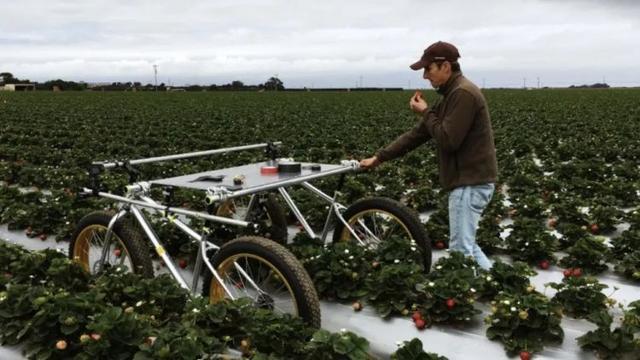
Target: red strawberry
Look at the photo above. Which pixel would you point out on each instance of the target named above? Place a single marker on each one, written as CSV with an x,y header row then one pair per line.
x,y
43,236
552,222
577,272
544,264
29,231
439,245
182,263
117,252
594,228
525,355
416,316
567,272
451,303
420,324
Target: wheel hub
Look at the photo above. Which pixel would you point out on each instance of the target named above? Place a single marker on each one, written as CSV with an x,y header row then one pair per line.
x,y
265,301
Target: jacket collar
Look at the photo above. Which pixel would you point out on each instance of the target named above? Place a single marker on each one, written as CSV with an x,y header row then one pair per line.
x,y
449,85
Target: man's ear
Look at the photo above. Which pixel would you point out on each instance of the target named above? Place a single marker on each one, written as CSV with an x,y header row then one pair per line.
x,y
447,66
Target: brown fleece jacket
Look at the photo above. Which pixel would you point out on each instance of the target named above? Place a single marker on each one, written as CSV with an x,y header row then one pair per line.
x,y
461,128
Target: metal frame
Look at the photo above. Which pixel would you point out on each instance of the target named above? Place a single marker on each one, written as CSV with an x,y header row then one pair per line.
x,y
137,197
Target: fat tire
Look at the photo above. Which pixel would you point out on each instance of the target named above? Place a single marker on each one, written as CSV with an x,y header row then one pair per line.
x,y
132,240
277,255
408,217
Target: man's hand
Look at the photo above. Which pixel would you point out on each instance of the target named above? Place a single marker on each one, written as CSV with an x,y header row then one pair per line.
x,y
417,104
369,163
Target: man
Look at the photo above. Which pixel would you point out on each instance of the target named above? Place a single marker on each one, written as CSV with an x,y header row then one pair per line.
x,y
461,128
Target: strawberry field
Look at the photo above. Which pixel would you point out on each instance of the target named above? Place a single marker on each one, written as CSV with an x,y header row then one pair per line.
x,y
569,181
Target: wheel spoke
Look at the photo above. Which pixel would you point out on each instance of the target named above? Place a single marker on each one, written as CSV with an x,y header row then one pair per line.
x,y
264,285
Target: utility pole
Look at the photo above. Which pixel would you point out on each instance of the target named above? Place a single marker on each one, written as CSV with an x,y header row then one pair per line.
x,y
524,83
155,75
276,82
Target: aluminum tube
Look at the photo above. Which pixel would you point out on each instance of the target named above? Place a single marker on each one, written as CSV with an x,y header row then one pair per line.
x,y
107,239
297,212
195,214
108,165
182,226
203,248
319,192
158,247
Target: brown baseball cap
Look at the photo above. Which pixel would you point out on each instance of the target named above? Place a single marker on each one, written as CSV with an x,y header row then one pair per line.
x,y
436,52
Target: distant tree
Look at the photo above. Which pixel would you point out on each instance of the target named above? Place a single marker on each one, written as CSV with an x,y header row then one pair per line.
x,y
237,84
274,84
8,78
193,88
61,84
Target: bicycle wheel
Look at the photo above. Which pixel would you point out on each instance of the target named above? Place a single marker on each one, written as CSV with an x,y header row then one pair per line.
x,y
266,211
125,248
377,219
274,278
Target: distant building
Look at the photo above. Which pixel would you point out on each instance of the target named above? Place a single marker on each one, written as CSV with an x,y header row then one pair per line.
x,y
18,87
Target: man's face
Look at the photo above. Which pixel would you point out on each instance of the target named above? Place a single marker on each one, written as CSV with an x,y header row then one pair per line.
x,y
437,74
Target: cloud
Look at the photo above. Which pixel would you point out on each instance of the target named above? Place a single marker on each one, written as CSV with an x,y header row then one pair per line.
x,y
330,42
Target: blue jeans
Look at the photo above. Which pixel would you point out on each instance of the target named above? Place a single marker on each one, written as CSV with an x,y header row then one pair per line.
x,y
466,204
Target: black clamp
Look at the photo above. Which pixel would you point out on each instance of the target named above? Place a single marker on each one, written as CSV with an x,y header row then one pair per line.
x,y
167,191
131,171
271,151
94,177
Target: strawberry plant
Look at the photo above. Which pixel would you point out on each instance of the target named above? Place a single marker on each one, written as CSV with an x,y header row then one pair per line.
x,y
529,241
524,322
580,296
589,253
503,277
438,225
623,253
396,269
121,315
447,294
390,288
488,234
629,265
413,350
338,271
530,206
613,343
604,219
345,345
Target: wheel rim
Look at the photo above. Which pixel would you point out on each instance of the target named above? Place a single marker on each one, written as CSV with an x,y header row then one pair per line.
x,y
374,226
88,246
276,293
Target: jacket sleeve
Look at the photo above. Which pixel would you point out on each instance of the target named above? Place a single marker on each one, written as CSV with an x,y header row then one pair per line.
x,y
449,131
405,142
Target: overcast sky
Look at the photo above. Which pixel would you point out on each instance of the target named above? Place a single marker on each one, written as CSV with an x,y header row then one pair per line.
x,y
327,43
